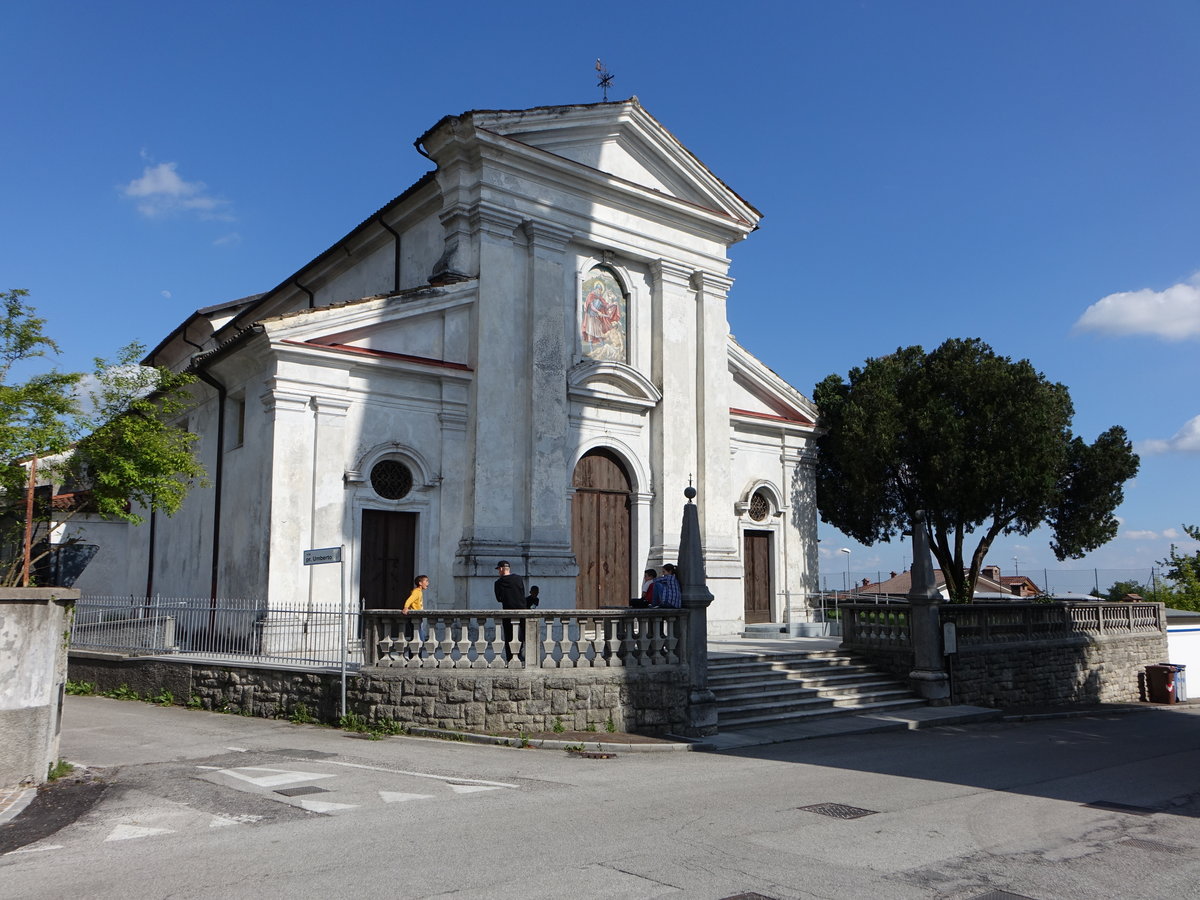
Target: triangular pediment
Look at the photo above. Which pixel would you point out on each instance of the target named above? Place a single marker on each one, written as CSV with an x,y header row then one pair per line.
x,y
623,140
757,392
612,385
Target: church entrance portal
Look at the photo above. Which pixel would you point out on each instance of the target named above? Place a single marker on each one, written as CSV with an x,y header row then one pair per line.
x,y
387,570
756,578
600,531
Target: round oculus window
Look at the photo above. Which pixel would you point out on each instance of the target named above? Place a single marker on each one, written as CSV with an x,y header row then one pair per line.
x,y
759,507
391,480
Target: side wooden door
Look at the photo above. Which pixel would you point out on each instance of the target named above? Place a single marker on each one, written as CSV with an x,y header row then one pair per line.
x,y
756,579
389,549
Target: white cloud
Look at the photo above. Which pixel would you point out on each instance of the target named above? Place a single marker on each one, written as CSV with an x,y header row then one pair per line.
x,y
161,191
166,295
1173,314
1142,535
1185,440
1171,533
228,240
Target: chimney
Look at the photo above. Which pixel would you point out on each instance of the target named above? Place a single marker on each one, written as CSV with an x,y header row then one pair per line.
x,y
992,572
891,575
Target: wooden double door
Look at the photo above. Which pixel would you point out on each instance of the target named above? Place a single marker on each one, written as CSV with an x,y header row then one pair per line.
x,y
601,531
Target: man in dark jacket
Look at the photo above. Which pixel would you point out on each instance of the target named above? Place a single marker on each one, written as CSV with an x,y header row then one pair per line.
x,y
510,594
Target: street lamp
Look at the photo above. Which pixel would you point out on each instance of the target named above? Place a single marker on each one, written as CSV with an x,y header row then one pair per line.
x,y
846,550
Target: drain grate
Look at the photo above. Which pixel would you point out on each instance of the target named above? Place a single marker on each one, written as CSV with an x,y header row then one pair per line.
x,y
748,896
838,810
301,791
596,754
1143,844
1121,807
1001,895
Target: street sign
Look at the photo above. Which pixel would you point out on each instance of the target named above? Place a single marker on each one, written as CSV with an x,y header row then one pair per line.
x,y
318,557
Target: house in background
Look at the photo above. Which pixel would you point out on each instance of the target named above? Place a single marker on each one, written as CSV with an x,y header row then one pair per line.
x,y
991,585
524,356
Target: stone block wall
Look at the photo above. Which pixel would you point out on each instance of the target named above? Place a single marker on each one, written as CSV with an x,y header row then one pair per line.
x,y
1076,669
642,701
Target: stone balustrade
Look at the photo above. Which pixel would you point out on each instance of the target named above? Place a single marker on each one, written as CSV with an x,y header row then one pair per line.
x,y
532,639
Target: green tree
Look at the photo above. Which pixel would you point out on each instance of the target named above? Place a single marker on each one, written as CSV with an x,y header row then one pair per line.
x,y
976,440
109,435
1118,589
1183,573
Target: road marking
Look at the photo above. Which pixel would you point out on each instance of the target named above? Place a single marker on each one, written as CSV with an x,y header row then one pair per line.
x,y
35,849
130,832
395,797
323,806
237,749
275,777
470,788
222,821
449,779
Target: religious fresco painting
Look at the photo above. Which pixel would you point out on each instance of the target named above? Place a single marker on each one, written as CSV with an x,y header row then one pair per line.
x,y
602,324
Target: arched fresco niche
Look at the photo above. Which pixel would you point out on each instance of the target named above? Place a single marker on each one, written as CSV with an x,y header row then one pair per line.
x,y
602,316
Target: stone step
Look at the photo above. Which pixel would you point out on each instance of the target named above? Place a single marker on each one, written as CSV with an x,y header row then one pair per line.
x,y
805,701
814,674
732,720
841,689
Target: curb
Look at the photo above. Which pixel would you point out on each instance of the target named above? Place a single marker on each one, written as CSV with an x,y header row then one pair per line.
x,y
675,746
16,801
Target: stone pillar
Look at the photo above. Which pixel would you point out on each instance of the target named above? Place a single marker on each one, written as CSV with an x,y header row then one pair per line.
x,y
34,624
928,676
673,422
714,464
292,462
549,526
702,705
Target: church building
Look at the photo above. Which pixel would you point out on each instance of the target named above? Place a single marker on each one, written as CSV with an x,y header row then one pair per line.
x,y
524,356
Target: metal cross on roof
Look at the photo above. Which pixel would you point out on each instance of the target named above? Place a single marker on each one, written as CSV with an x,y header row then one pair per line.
x,y
606,78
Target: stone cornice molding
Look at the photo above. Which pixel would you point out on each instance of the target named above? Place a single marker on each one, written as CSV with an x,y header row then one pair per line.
x,y
276,400
330,409
547,238
494,221
666,272
711,282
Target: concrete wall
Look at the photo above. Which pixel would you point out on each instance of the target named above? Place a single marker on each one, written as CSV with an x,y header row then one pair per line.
x,y
34,627
653,702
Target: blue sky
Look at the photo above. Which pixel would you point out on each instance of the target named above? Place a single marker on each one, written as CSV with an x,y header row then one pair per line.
x,y
1023,172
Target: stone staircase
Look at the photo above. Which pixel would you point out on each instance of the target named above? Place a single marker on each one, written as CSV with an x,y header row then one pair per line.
x,y
760,689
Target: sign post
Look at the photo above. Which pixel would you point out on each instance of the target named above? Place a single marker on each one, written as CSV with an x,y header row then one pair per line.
x,y
320,558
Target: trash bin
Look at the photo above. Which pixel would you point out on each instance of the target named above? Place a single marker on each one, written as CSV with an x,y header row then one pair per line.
x,y
1160,684
1180,680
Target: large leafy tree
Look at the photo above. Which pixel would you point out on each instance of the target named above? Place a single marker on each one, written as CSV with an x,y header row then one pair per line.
x,y
111,435
981,443
1183,572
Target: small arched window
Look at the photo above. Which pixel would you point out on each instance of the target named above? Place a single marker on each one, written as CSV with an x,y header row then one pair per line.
x,y
760,507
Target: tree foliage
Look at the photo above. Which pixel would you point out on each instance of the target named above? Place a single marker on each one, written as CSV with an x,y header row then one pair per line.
x,y
109,435
980,442
1183,573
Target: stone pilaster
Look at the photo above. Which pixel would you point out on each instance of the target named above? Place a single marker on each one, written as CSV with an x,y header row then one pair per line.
x,y
673,423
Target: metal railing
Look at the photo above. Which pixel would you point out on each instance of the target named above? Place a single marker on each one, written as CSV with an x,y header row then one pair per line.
x,y
524,639
221,629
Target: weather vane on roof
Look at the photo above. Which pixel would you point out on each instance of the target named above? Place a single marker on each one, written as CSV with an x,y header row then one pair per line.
x,y
606,78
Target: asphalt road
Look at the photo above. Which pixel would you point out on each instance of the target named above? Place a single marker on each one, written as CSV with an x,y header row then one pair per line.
x,y
203,805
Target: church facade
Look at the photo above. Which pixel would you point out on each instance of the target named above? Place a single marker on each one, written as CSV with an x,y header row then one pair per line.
x,y
524,356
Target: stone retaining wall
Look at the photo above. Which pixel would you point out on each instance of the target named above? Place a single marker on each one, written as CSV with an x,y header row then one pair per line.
x,y
650,702
1076,669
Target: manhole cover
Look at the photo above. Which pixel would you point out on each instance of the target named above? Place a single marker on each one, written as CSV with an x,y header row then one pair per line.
x,y
838,810
301,791
1121,807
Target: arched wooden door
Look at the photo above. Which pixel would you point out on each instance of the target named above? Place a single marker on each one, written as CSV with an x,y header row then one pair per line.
x,y
600,531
